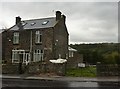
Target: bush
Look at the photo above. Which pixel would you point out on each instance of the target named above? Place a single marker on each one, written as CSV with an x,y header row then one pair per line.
x,y
110,58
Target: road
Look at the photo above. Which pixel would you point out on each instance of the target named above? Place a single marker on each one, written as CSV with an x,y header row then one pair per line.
x,y
55,84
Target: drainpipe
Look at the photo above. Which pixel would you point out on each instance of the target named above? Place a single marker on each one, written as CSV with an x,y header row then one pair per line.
x,y
31,45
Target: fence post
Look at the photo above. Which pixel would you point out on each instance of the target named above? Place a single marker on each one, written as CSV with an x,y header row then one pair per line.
x,y
98,69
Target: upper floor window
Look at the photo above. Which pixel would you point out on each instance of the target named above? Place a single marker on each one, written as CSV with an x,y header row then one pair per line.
x,y
38,38
16,38
71,53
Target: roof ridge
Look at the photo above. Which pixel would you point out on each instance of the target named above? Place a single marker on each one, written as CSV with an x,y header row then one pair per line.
x,y
39,19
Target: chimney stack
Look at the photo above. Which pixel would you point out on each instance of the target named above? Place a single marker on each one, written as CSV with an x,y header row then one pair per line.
x,y
64,17
58,15
18,19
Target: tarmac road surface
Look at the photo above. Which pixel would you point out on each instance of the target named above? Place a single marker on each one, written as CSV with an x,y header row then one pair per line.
x,y
55,84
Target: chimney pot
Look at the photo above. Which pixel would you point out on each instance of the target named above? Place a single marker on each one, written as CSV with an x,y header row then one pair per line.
x,y
18,19
58,15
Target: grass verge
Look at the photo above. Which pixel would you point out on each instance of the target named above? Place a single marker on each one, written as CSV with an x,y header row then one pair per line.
x,y
82,72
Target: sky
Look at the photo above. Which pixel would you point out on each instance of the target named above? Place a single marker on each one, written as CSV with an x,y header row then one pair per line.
x,y
87,22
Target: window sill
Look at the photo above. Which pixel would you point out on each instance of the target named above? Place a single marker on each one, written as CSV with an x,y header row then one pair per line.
x,y
38,43
15,62
15,43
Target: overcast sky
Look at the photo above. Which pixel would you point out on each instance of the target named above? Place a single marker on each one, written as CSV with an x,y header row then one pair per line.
x,y
86,21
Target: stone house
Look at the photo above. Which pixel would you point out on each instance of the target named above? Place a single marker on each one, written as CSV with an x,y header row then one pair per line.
x,y
35,40
74,58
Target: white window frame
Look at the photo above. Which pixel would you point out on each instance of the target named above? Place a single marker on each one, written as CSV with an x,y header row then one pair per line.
x,y
38,55
16,56
38,37
26,57
16,38
71,54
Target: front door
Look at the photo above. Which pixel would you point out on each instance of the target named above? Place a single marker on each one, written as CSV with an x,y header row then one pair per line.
x,y
26,58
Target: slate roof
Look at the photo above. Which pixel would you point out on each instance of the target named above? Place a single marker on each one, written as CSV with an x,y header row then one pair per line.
x,y
71,49
36,23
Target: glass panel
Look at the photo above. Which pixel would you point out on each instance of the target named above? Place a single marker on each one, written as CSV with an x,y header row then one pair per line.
x,y
15,57
38,38
16,38
38,55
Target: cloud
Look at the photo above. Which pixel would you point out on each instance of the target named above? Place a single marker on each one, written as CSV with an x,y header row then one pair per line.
x,y
86,21
60,1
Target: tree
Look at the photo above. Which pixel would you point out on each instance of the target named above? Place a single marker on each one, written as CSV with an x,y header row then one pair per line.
x,y
111,58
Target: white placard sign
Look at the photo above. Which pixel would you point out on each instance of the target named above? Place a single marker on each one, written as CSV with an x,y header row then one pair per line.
x,y
81,64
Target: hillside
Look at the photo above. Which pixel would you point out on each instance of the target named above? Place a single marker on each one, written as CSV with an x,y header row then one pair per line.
x,y
93,53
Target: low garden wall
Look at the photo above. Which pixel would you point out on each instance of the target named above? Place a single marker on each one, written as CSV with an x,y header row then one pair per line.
x,y
11,68
33,68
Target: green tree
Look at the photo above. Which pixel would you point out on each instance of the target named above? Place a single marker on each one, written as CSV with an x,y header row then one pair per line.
x,y
98,52
110,58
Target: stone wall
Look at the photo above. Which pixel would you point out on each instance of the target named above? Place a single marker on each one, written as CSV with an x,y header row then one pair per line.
x,y
73,61
11,68
61,39
34,68
8,46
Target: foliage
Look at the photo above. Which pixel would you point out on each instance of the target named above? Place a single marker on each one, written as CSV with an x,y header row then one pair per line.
x,y
82,72
111,58
100,52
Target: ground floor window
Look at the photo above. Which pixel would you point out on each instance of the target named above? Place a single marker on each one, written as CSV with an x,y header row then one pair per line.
x,y
20,55
38,55
15,57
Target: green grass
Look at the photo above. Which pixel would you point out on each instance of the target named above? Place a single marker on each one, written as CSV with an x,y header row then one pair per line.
x,y
82,72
